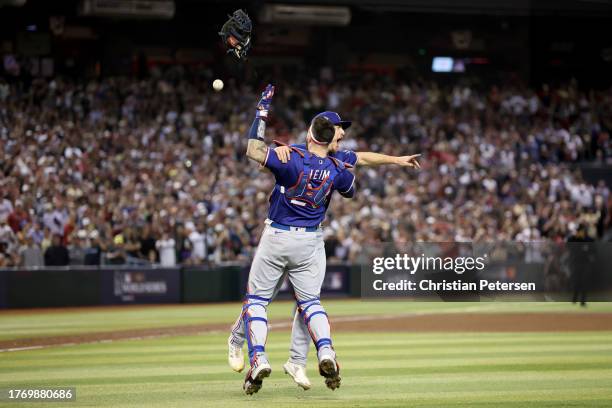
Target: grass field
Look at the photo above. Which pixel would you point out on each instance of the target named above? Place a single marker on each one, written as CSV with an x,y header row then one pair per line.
x,y
381,369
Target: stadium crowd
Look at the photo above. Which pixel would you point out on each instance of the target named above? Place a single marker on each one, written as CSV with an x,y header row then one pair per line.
x,y
120,171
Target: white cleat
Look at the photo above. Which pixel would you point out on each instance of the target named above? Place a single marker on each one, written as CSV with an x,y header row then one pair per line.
x,y
298,373
235,356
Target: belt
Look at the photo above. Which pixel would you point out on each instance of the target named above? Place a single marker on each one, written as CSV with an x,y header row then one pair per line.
x,y
290,228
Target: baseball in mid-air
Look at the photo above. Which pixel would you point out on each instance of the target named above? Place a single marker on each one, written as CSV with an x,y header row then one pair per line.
x,y
217,84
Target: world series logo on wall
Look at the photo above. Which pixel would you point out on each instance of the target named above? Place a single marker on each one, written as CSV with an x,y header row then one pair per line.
x,y
130,283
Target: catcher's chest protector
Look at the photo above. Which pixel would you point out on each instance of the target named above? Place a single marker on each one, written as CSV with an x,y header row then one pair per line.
x,y
305,192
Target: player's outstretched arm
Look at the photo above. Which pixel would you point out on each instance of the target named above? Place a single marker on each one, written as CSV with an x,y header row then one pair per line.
x,y
363,158
256,148
378,159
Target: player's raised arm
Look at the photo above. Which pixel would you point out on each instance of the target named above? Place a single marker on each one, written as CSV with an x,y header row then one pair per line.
x,y
257,148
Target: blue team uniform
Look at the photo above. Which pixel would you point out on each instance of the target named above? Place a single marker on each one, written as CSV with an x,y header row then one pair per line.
x,y
292,244
346,156
323,175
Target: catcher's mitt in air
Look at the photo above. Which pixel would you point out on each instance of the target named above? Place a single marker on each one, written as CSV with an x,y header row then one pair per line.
x,y
236,34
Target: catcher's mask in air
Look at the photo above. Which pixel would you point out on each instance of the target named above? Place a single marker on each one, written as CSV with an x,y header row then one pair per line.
x,y
236,34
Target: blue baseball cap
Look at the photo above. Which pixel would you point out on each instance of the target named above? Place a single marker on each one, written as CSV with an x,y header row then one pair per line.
x,y
334,118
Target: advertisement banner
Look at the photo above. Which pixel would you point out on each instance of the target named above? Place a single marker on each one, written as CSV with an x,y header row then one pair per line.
x,y
134,286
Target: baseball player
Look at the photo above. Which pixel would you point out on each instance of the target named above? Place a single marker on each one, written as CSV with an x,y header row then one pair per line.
x,y
300,339
292,241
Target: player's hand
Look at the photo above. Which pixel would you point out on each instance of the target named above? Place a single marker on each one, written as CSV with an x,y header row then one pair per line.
x,y
408,161
263,106
283,153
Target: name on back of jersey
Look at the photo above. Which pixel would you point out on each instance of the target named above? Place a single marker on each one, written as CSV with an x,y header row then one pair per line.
x,y
319,174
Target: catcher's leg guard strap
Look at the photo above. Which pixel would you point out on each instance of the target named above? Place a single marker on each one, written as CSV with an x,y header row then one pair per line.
x,y
259,349
238,329
263,299
323,342
303,302
316,319
256,324
313,314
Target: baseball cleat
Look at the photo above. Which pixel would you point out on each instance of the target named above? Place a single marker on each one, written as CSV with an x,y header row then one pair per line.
x,y
255,376
235,356
329,368
298,373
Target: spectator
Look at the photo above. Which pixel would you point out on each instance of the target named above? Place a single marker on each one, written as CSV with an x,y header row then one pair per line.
x,y
116,254
197,243
7,258
31,254
167,251
57,253
78,247
55,220
7,237
35,231
18,218
132,244
93,253
120,153
46,239
184,248
6,206
148,250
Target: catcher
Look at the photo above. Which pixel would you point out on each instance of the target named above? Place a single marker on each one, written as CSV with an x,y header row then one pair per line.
x,y
300,336
292,241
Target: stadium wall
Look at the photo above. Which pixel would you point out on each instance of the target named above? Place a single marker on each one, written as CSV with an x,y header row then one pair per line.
x,y
123,285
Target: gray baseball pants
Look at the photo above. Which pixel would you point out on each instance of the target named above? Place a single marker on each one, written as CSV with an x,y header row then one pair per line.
x,y
301,256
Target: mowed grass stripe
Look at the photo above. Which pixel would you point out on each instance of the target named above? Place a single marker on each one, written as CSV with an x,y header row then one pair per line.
x,y
381,369
15,325
143,373
209,346
353,377
366,368
153,381
89,320
354,339
600,353
209,342
570,355
421,342
365,395
440,348
209,353
390,396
